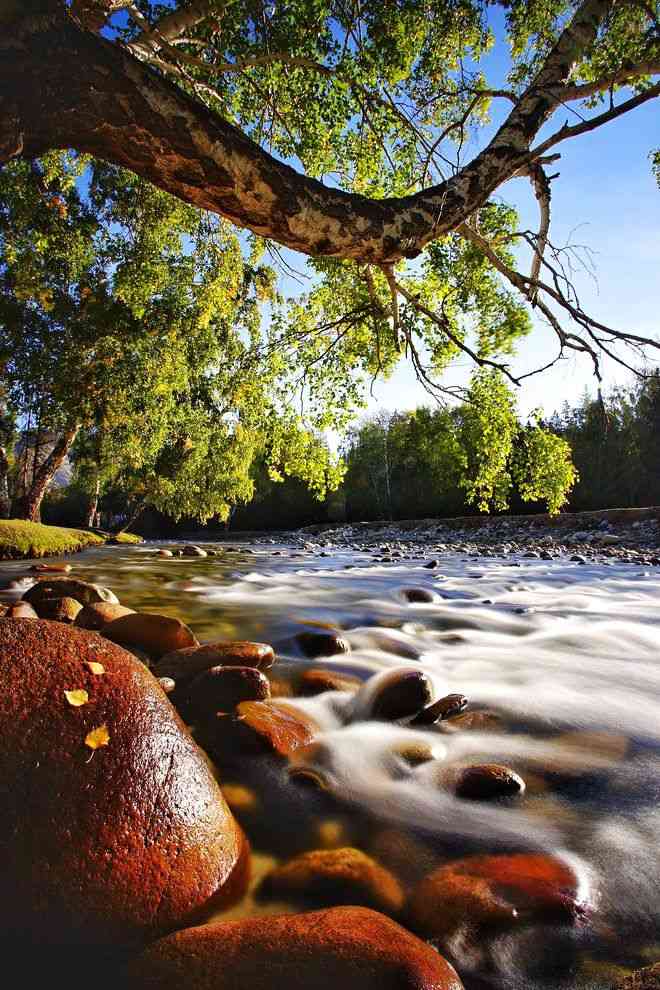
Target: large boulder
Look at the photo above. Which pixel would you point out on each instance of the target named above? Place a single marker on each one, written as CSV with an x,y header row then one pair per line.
x,y
113,828
350,948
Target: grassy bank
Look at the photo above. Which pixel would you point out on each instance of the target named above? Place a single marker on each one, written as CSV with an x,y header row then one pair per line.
x,y
20,539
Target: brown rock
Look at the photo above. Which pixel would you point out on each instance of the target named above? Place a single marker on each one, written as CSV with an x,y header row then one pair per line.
x,y
99,614
67,587
393,695
274,727
21,610
486,891
335,876
184,664
418,595
164,553
447,707
221,689
477,721
485,781
193,551
642,979
324,643
108,846
350,948
59,609
155,633
318,681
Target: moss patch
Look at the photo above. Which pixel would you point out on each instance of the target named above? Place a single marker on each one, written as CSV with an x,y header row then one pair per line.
x,y
20,539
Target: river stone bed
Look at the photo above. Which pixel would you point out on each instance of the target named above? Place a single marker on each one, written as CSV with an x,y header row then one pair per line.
x,y
456,729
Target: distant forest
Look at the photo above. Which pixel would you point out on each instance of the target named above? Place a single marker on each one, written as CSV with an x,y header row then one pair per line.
x,y
406,465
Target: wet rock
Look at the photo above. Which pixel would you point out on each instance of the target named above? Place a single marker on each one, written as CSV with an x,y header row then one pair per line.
x,y
221,689
415,752
351,948
485,781
318,680
54,568
184,664
393,695
418,595
324,643
103,847
432,564
308,777
167,684
157,634
273,727
193,551
21,610
66,587
447,707
647,978
99,614
476,721
164,553
334,876
496,891
59,609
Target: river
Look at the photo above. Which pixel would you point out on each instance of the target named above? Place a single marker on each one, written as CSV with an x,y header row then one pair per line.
x,y
566,656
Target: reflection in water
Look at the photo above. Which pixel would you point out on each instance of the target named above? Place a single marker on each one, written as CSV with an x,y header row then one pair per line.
x,y
564,656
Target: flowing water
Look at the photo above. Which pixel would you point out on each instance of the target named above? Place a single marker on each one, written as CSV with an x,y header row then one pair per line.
x,y
567,658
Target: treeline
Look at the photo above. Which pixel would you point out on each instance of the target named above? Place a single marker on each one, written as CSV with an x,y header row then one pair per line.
x,y
615,440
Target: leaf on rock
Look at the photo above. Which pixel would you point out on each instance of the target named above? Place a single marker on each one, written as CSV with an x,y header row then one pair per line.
x,y
97,737
96,668
77,698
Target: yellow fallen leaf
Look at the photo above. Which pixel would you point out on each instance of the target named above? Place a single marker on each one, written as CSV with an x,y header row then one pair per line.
x,y
97,737
96,668
77,698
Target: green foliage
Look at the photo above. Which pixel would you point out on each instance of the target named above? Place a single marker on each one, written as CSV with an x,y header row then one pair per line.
x,y
443,461
139,318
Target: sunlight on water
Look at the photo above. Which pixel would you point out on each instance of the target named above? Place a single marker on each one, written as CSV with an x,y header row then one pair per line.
x,y
565,657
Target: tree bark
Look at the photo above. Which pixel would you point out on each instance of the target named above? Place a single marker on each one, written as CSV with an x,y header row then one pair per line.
x,y
133,518
28,506
93,508
5,501
64,87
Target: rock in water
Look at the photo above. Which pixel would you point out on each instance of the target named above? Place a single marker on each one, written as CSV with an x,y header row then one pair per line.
x,y
155,633
113,828
350,948
496,891
642,979
335,876
67,587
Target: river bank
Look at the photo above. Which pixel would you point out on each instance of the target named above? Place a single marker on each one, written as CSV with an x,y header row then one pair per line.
x,y
541,670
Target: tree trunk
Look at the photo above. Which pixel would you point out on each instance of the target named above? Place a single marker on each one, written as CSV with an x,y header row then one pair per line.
x,y
28,506
93,508
134,516
117,108
5,501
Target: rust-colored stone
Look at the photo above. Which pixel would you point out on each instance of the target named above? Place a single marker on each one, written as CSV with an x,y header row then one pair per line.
x,y
99,614
490,891
273,727
155,633
351,948
21,610
221,689
319,680
53,568
335,876
106,847
184,664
